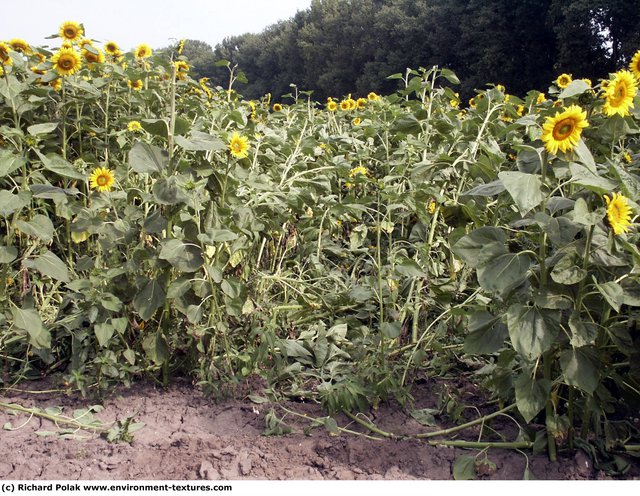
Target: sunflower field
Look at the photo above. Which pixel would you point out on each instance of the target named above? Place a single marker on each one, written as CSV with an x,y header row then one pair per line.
x,y
153,225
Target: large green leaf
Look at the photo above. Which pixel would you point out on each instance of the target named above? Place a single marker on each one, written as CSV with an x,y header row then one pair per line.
x,y
8,254
48,264
582,333
613,293
531,395
103,331
584,177
532,330
213,236
486,334
146,158
567,271
155,346
580,368
10,162
40,226
10,203
481,245
629,184
576,87
44,128
199,141
149,299
523,188
29,320
186,257
57,164
504,272
168,192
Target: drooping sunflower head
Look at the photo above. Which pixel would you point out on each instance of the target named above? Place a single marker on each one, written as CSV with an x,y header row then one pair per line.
x,y
135,85
182,68
634,65
563,131
541,99
564,80
277,107
19,45
66,61
619,94
5,59
618,213
181,46
239,146
71,31
143,51
93,55
102,179
134,126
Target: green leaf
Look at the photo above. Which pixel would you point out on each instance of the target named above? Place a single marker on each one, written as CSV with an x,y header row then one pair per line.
x,y
10,203
531,395
155,223
146,158
45,128
582,215
582,333
613,293
580,368
166,191
149,299
425,416
217,236
58,165
629,184
199,141
8,254
103,332
409,268
504,272
523,188
186,257
10,162
582,176
155,127
48,264
489,189
30,321
575,87
391,330
481,245
486,334
155,346
567,272
40,226
532,330
464,468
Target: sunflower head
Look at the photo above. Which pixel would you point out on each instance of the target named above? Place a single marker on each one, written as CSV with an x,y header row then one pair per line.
x,y
134,126
361,103
182,68
66,61
143,51
618,213
541,99
5,59
634,65
93,55
563,131
71,31
372,96
239,146
619,94
19,45
352,103
101,179
563,80
332,106
356,121
135,85
344,105
277,107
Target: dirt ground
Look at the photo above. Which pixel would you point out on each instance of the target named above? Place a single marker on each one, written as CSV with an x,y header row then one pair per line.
x,y
189,436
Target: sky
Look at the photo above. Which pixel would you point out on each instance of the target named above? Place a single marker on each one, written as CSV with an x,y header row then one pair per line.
x,y
158,23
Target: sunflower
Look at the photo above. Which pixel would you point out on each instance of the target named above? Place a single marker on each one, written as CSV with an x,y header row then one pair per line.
x,y
541,99
372,96
619,94
356,121
634,65
66,61
181,46
332,106
472,102
5,59
277,107
135,85
56,84
361,103
143,51
618,213
239,146
182,68
563,80
101,179
70,30
344,105
84,43
352,103
112,48
20,45
562,131
93,56
134,126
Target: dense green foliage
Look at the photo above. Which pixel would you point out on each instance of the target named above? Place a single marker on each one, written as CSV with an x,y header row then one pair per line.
x,y
338,47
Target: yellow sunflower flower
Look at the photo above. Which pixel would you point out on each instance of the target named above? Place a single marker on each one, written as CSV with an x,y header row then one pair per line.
x,y
618,213
19,45
70,30
634,65
239,146
56,84
277,107
112,48
541,99
143,51
356,121
66,61
619,94
344,105
361,103
5,59
93,56
182,68
135,85
332,106
563,80
627,157
134,126
562,131
101,179
372,96
352,103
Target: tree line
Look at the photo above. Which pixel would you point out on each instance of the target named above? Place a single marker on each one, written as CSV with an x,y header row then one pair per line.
x,y
337,47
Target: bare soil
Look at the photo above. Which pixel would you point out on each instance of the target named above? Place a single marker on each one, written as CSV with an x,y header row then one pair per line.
x,y
189,436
